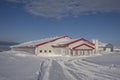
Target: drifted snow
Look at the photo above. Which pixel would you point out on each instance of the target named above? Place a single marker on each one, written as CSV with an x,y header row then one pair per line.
x,y
35,42
19,66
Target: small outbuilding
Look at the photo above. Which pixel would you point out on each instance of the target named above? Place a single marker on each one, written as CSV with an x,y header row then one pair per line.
x,y
108,48
102,47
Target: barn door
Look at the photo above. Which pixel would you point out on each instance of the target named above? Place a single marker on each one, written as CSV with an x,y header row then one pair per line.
x,y
107,50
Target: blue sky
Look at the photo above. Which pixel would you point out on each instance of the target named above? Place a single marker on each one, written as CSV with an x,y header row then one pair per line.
x,y
25,20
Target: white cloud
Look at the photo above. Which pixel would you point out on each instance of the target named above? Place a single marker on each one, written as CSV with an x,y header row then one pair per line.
x,y
62,8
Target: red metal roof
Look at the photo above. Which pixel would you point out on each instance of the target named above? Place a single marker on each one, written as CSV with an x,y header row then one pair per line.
x,y
83,45
52,40
67,44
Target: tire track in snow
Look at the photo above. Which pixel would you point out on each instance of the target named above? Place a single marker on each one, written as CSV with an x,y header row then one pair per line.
x,y
68,75
101,70
40,71
44,70
75,69
56,72
90,70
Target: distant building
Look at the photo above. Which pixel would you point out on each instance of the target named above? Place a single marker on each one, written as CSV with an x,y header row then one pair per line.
x,y
63,45
116,49
102,47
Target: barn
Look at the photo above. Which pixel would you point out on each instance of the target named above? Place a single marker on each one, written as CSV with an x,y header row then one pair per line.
x,y
62,45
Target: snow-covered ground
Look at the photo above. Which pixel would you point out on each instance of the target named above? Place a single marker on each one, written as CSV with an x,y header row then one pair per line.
x,y
23,66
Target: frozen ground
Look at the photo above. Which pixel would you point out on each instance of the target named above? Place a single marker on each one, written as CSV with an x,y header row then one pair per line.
x,y
19,66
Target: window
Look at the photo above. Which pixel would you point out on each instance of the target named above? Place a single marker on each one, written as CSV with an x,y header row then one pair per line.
x,y
50,51
40,51
45,51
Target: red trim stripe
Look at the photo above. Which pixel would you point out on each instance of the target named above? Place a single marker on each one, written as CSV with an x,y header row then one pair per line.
x,y
83,45
67,44
23,47
52,40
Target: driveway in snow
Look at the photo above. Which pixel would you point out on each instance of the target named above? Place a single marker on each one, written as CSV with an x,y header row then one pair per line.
x,y
17,66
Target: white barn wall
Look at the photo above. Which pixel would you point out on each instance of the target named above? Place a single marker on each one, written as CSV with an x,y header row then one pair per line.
x,y
61,50
82,50
44,47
